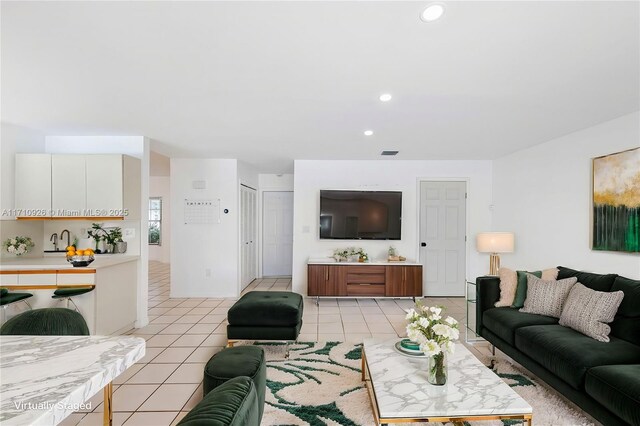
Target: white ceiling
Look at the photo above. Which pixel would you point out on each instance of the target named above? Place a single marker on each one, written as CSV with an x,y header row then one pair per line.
x,y
269,82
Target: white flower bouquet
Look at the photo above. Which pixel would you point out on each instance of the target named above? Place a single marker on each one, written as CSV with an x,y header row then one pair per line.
x,y
18,245
350,253
435,336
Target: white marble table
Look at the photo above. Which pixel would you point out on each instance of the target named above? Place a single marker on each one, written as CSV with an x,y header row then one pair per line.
x,y
400,392
43,379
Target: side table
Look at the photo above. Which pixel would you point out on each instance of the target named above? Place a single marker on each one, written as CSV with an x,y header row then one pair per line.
x,y
470,327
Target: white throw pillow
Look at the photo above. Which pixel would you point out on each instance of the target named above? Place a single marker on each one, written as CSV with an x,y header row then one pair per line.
x,y
508,284
546,297
588,311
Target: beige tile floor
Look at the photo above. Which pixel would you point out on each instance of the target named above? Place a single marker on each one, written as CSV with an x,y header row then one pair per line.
x,y
184,333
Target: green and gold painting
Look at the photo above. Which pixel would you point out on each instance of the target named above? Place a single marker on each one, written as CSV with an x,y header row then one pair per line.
x,y
616,202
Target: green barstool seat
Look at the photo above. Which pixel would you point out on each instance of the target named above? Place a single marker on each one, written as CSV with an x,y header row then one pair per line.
x,y
68,293
7,298
46,322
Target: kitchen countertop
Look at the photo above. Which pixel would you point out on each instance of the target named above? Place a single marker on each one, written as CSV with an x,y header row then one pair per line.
x,y
59,262
330,261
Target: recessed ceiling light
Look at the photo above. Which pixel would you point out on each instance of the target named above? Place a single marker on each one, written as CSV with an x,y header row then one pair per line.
x,y
385,97
368,132
432,12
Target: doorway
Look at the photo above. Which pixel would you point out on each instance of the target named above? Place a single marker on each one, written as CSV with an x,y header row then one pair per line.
x,y
277,233
248,254
443,237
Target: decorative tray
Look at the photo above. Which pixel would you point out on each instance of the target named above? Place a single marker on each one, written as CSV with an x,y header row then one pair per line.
x,y
407,347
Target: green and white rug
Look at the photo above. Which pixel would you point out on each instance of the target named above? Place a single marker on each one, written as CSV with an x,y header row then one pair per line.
x,y
320,384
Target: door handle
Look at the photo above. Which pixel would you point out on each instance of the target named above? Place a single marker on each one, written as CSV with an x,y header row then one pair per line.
x,y
423,244
364,284
326,273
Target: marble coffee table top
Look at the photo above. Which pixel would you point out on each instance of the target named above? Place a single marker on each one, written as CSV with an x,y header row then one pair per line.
x,y
43,379
402,391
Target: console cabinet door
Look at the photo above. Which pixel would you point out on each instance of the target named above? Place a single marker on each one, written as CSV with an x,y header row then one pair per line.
x,y
336,280
403,281
413,281
394,286
326,280
315,279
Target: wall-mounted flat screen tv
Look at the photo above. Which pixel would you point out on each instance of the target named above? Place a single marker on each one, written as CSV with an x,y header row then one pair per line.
x,y
360,215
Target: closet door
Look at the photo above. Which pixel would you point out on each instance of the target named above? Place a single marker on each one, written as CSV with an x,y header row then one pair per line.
x,y
248,261
277,233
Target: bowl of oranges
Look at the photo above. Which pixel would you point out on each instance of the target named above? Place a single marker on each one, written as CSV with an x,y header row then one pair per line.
x,y
80,257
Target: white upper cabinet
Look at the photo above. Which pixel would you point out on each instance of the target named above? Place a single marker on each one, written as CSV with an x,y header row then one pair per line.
x,y
33,185
68,185
104,184
78,185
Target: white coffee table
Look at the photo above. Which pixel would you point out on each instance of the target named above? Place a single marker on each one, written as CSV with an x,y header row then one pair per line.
x,y
399,390
46,378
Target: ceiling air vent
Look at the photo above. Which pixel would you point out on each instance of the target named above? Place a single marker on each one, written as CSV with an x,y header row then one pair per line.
x,y
389,152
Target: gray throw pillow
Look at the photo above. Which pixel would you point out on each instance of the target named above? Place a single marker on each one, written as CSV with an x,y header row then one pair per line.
x,y
588,311
546,297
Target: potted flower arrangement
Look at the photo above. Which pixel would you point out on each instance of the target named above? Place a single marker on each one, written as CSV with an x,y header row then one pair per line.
x,y
351,254
18,245
435,337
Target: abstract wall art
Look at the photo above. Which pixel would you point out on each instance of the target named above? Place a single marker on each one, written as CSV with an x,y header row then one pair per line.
x,y
616,202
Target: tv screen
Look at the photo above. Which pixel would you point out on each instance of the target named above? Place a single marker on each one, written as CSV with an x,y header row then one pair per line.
x,y
360,215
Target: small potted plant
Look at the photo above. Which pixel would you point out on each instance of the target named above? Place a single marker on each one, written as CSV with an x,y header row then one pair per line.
x,y
98,234
114,240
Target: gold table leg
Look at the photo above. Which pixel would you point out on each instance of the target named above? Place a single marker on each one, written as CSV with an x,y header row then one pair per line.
x,y
108,408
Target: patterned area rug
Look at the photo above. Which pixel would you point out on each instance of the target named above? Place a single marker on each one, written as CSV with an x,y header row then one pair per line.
x,y
320,384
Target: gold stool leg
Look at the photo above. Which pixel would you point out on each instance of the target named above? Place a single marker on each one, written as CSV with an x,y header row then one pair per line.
x,y
108,409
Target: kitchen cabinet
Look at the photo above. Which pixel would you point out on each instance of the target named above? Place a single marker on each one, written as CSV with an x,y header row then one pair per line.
x,y
68,184
364,280
78,186
33,185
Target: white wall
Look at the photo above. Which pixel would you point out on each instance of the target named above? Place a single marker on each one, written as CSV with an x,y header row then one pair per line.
x,y
312,176
269,182
204,258
543,195
159,187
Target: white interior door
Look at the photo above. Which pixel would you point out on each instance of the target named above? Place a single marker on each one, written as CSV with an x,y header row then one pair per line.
x,y
248,261
443,237
277,233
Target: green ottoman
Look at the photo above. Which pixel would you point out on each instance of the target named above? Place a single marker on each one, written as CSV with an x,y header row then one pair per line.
x,y
229,363
265,315
234,403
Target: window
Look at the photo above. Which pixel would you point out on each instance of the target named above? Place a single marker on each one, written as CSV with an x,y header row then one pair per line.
x,y
155,220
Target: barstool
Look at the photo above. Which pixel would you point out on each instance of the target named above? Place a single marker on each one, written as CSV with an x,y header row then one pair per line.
x,y
7,298
68,293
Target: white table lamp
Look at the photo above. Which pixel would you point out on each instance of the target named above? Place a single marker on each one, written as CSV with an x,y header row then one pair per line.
x,y
494,243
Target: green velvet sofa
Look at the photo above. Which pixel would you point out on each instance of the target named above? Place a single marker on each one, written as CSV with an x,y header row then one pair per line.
x,y
601,378
233,403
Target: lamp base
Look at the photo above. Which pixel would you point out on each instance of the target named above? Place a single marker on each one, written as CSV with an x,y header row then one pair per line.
x,y
494,264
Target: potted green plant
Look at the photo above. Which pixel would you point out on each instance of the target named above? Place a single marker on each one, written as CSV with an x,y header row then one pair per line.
x,y
114,239
98,234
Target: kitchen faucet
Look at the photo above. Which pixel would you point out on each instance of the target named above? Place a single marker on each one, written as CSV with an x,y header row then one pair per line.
x,y
68,237
54,238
